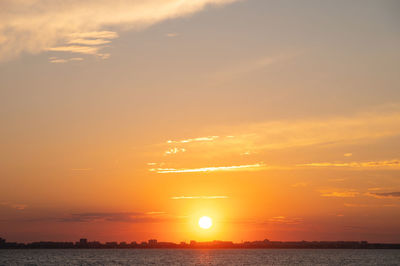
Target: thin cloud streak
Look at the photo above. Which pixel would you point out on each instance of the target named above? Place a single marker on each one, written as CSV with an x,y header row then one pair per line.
x,y
76,49
250,167
284,220
390,163
56,60
126,217
200,139
384,195
172,35
340,194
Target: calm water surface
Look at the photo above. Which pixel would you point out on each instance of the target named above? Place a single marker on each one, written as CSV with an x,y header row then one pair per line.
x,y
200,257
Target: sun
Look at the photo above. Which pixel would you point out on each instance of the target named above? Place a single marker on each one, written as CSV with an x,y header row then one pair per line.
x,y
205,222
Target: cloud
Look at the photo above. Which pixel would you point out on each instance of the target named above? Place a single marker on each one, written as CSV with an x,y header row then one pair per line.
x,y
174,151
284,220
250,167
349,154
375,188
246,143
354,205
155,213
172,35
384,195
34,26
276,135
200,139
199,197
76,49
94,35
390,163
339,194
127,217
57,60
89,41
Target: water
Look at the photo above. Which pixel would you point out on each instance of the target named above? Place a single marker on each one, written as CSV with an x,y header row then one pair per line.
x,y
200,257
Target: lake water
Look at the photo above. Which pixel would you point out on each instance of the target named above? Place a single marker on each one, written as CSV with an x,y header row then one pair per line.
x,y
200,257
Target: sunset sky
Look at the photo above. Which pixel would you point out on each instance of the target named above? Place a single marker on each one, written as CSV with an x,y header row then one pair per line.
x,y
127,120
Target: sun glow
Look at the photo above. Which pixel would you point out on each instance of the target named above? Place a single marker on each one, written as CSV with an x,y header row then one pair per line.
x,y
205,222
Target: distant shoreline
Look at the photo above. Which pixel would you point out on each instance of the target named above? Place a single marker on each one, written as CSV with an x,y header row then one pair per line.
x,y
154,244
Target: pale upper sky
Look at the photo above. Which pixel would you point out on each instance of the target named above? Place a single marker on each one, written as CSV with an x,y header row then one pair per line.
x,y
126,121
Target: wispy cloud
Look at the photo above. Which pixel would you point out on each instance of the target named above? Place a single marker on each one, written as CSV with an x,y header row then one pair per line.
x,y
128,217
199,197
339,194
249,167
389,163
93,50
356,205
254,140
174,151
172,35
302,133
94,35
89,41
57,60
375,188
155,213
200,139
284,220
34,26
384,195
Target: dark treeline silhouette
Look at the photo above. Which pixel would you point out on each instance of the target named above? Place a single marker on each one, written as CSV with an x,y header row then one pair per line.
x,y
153,244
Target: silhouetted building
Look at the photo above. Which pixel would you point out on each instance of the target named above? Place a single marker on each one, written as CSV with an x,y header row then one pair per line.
x,y
83,243
152,242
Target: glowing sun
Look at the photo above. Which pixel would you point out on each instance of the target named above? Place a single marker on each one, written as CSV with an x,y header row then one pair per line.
x,y
205,222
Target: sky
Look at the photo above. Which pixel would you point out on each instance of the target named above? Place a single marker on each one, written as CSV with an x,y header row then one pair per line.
x,y
130,120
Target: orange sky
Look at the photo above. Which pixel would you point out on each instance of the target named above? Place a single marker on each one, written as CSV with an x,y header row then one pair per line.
x,y
130,121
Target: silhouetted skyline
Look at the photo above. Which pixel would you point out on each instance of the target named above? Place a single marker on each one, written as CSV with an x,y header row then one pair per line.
x,y
83,243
